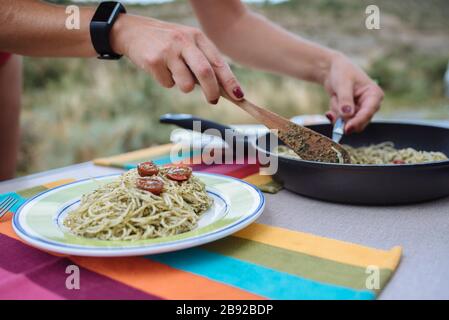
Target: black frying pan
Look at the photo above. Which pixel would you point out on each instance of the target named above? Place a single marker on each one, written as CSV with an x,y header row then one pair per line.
x,y
372,184
366,184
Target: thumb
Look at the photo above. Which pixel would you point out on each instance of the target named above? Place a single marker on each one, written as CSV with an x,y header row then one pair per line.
x,y
345,100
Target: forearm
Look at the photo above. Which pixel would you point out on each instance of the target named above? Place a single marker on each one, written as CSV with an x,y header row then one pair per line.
x,y
262,44
252,40
35,28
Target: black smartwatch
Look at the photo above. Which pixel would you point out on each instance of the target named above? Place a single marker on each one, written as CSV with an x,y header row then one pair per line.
x,y
101,26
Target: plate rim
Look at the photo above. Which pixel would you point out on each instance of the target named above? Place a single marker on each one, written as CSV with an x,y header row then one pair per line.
x,y
143,249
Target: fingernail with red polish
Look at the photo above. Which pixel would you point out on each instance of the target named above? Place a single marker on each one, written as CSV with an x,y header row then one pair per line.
x,y
214,101
346,109
238,93
330,117
349,130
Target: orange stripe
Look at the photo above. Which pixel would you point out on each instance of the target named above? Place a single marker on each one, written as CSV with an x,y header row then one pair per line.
x,y
57,183
6,227
139,154
151,277
161,280
258,179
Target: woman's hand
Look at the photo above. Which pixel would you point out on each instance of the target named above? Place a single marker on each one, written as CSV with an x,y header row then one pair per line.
x,y
354,96
175,54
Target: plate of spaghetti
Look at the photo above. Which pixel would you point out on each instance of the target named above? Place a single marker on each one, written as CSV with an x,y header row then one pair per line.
x,y
147,210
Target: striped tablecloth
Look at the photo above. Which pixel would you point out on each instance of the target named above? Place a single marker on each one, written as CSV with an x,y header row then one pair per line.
x,y
259,262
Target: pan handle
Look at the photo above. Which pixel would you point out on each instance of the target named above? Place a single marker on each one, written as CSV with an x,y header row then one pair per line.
x,y
186,121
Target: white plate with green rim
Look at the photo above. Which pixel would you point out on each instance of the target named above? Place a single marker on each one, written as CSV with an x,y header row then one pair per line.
x,y
39,221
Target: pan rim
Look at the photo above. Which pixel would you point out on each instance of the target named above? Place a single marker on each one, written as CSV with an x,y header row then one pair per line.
x,y
360,166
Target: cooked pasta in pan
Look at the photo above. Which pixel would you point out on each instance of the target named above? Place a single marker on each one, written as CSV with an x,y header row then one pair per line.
x,y
144,203
383,153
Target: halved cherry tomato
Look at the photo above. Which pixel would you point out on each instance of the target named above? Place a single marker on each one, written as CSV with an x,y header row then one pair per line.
x,y
399,162
146,169
179,173
153,185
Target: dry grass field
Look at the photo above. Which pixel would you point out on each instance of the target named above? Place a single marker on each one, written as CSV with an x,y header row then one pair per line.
x,y
75,110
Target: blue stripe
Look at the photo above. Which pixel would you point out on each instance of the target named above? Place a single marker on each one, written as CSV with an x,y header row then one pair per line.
x,y
21,200
166,159
255,278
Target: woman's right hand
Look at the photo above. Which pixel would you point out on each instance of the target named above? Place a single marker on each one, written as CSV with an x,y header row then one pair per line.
x,y
175,54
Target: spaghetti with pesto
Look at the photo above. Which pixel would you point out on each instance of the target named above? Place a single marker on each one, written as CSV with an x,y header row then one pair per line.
x,y
141,204
382,153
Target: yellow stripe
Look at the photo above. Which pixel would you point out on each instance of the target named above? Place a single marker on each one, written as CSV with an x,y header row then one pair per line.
x,y
139,154
258,179
339,251
57,183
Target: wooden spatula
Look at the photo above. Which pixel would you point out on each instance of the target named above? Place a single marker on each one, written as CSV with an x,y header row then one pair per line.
x,y
306,143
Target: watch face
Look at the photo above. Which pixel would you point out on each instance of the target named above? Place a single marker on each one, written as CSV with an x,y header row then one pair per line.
x,y
105,10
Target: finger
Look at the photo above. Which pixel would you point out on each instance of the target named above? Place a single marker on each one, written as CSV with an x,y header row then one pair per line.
x,y
368,108
158,68
332,116
222,70
181,74
345,99
333,112
203,72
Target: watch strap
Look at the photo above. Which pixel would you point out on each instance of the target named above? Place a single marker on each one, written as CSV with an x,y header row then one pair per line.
x,y
100,30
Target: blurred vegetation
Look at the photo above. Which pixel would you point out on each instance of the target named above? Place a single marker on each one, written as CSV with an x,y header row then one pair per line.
x,y
415,79
77,109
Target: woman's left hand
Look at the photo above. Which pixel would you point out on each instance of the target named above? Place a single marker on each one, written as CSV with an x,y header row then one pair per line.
x,y
354,96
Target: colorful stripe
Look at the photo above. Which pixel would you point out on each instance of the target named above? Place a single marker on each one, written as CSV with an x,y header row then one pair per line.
x,y
325,248
43,273
130,157
236,171
264,182
6,226
295,263
154,278
164,160
15,287
254,278
162,280
57,183
20,200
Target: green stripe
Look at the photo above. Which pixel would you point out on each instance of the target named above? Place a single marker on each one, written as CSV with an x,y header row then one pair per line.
x,y
28,193
270,187
164,157
300,264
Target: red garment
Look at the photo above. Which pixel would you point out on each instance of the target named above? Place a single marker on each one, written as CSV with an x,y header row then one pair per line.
x,y
4,56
